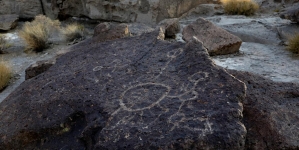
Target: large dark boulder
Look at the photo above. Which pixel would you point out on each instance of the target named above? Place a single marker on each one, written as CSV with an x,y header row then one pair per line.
x,y
130,93
271,113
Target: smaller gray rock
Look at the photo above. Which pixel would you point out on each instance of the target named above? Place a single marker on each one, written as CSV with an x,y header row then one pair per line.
x,y
137,29
170,26
8,22
38,68
285,32
215,39
203,10
110,31
291,13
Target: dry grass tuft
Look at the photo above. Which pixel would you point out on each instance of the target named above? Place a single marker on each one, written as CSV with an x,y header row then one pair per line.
x,y
240,7
5,75
73,31
293,43
37,32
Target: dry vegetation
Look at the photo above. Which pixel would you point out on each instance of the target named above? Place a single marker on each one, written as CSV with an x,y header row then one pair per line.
x,y
73,31
5,75
37,32
240,7
293,43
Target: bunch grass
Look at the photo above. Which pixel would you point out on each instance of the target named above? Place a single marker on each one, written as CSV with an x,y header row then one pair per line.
x,y
240,7
5,75
293,43
73,31
37,32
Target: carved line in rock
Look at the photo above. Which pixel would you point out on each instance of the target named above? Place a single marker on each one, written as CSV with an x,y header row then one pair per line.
x,y
123,105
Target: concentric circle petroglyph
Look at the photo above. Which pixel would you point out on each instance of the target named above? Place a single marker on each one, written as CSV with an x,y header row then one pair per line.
x,y
143,96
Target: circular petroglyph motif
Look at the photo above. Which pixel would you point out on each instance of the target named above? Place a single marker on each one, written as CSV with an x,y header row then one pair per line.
x,y
143,96
98,68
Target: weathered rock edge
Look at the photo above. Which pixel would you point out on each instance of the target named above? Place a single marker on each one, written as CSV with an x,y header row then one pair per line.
x,y
215,39
271,112
130,93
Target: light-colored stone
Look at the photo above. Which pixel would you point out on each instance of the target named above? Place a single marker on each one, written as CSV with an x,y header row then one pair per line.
x,y
145,11
8,22
203,10
24,8
215,39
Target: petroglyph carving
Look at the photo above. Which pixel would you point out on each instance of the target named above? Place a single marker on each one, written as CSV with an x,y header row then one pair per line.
x,y
138,97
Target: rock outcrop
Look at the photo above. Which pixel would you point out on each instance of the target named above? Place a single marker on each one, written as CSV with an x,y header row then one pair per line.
x,y
26,9
287,31
271,113
110,31
8,22
291,13
130,93
215,39
145,11
170,26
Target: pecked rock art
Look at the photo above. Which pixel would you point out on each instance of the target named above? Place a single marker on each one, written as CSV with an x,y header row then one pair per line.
x,y
130,93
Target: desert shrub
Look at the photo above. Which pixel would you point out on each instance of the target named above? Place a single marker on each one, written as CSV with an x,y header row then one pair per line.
x,y
5,75
3,43
240,7
73,31
293,43
37,32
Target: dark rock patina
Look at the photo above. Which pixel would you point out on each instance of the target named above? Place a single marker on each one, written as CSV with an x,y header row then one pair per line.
x,y
38,68
130,93
271,113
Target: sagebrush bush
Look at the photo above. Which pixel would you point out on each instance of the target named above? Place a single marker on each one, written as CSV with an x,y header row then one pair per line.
x,y
5,75
240,7
73,31
37,32
293,43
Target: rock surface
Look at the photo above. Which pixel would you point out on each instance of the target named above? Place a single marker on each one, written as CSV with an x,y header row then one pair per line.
x,y
170,26
26,9
130,93
291,13
271,113
136,29
287,31
38,68
216,40
110,31
8,22
145,11
261,30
